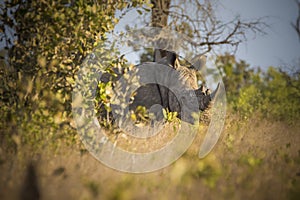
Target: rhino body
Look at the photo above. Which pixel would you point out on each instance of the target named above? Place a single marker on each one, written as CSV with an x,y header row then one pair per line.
x,y
174,89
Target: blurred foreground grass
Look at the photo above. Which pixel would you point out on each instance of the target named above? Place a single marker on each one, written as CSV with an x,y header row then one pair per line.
x,y
254,159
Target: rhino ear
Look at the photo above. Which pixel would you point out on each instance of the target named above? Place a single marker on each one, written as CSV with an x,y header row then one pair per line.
x,y
214,94
171,58
165,57
199,62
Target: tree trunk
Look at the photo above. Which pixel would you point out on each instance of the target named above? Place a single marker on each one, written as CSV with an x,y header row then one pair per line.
x,y
160,13
159,17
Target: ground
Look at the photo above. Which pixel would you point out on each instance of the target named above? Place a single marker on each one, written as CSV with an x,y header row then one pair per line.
x,y
254,158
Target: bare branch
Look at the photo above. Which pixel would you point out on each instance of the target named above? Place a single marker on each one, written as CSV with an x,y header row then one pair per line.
x,y
204,30
296,26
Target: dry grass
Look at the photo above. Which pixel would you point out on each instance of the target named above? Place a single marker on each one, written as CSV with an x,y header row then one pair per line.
x,y
254,159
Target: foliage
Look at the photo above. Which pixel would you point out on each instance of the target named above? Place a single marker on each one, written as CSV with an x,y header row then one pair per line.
x,y
274,93
50,41
169,116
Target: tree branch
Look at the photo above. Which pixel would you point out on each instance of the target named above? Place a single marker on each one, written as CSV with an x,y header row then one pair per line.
x,y
204,31
296,26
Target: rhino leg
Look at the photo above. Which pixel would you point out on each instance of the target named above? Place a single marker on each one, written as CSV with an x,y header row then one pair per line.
x,y
148,96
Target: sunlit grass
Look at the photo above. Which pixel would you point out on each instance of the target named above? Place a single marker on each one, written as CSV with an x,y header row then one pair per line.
x,y
255,158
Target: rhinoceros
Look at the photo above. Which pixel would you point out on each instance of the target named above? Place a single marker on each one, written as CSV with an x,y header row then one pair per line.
x,y
169,86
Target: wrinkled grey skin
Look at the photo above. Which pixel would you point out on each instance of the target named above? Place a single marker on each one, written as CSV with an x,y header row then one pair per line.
x,y
186,90
157,94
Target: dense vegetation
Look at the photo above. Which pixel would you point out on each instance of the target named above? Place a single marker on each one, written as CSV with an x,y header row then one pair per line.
x,y
53,38
273,93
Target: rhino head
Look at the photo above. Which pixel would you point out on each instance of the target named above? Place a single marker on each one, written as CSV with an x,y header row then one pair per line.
x,y
204,100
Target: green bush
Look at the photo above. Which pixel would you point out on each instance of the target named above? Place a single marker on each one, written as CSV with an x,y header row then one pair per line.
x,y
37,75
273,94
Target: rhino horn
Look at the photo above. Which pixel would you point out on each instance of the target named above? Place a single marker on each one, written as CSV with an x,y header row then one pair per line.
x,y
214,94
